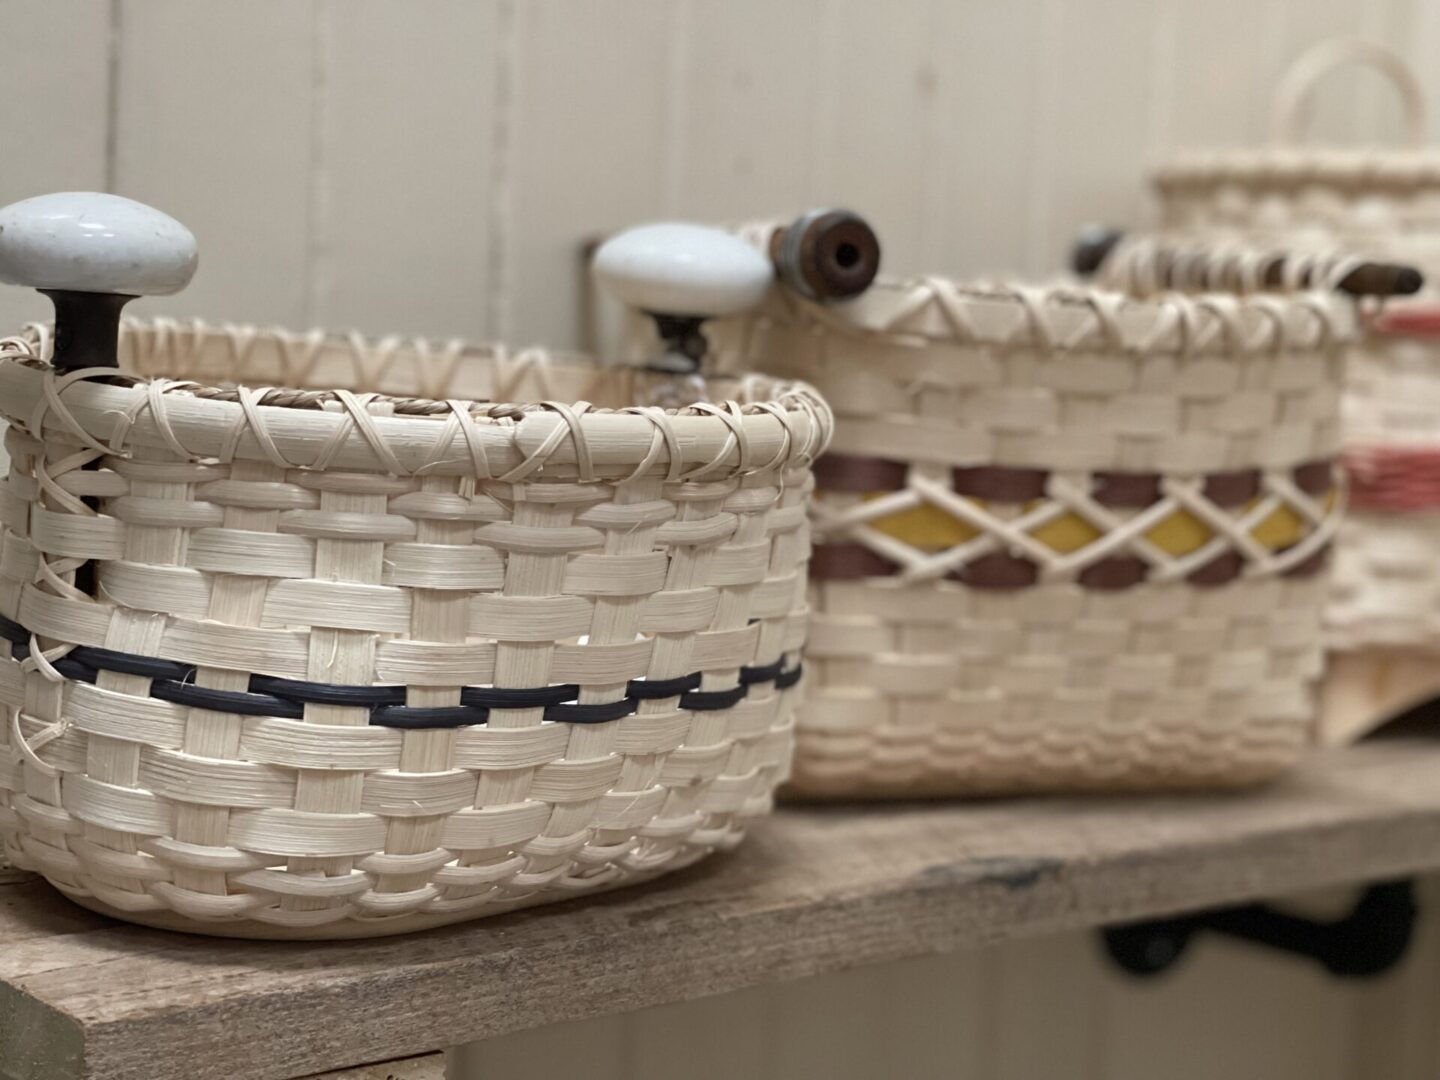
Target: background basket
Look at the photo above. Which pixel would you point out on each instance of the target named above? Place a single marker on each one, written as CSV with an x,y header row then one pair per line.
x,y
1381,202
1066,540
329,662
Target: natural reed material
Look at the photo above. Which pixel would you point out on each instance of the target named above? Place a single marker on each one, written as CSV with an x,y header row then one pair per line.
x,y
1066,539
1380,204
336,662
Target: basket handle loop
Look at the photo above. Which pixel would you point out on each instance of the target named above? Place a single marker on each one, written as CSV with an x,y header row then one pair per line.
x,y
1290,114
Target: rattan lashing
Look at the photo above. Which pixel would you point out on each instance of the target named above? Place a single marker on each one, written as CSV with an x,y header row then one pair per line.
x,y
271,552
1380,202
1067,539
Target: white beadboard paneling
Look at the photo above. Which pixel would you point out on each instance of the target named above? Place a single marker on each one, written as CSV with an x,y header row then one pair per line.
x,y
407,121
597,1049
585,151
214,101
747,96
1227,1009
717,1038
874,98
1046,1017
53,112
1100,120
1210,77
1394,1035
975,209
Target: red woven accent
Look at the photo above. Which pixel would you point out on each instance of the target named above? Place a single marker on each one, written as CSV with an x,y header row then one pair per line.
x,y
1386,478
1410,320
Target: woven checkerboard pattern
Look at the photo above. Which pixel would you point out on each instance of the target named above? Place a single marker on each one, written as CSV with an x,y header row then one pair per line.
x,y
999,660
304,663
1381,204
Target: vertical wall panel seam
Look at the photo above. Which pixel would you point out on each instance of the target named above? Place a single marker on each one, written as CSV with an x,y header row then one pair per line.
x,y
112,95
501,225
931,180
677,107
1039,248
317,217
1165,49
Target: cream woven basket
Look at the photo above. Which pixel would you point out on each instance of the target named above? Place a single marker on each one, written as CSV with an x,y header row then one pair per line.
x,y
1385,610
366,655
1066,540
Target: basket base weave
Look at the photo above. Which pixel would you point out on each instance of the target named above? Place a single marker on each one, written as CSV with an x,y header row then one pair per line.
x,y
939,690
347,929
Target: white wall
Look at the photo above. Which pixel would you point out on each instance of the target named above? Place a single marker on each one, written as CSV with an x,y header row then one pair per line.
x,y
1050,1009
432,166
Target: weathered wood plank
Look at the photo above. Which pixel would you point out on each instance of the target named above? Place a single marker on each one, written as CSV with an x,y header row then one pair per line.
x,y
816,890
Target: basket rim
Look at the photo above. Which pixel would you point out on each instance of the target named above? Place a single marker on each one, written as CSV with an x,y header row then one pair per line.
x,y
1065,316
773,424
1359,168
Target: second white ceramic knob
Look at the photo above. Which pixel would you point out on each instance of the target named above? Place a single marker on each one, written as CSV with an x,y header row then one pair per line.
x,y
687,270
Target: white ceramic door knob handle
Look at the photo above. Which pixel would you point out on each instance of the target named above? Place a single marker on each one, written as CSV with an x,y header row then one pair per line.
x,y
683,270
88,241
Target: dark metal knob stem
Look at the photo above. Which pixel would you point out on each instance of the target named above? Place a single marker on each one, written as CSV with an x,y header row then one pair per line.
x,y
87,328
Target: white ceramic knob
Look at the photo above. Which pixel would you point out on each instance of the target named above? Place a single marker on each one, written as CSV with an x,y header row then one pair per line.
x,y
88,241
676,269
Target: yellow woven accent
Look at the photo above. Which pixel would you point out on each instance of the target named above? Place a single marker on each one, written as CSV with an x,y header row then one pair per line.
x,y
1068,533
931,529
1180,533
926,527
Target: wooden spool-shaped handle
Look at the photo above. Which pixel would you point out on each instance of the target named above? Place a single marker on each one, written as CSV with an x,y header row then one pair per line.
x,y
92,253
1181,266
826,254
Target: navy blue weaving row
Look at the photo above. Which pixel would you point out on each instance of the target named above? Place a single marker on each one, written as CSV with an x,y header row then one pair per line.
x,y
287,698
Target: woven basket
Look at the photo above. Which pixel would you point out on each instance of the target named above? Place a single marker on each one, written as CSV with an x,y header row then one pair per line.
x,y
1066,540
336,663
1382,202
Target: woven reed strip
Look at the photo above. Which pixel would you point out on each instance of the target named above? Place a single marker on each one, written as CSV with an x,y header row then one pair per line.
x,y
1381,201
931,687
1150,264
359,577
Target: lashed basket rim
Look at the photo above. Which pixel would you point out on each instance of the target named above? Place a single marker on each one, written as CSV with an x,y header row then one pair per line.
x,y
1065,316
1358,168
771,424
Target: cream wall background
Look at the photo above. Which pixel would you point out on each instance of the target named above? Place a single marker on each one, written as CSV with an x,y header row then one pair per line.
x,y
432,166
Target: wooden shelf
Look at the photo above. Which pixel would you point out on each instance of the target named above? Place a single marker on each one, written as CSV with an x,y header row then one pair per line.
x,y
814,890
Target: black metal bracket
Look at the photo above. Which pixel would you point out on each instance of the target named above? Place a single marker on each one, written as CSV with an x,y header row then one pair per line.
x,y
1368,941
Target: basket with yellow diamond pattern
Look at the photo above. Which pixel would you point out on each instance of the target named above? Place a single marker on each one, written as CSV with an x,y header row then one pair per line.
x,y
1066,539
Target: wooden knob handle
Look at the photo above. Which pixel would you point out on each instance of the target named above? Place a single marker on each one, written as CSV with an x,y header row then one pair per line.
x,y
826,255
1381,279
1093,244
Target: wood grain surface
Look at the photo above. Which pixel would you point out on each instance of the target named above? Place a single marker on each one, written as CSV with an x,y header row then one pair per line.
x,y
814,890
